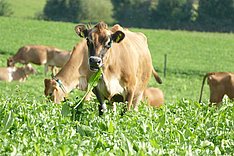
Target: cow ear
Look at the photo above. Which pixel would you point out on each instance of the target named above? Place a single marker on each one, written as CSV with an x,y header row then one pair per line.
x,y
46,82
81,30
118,36
54,85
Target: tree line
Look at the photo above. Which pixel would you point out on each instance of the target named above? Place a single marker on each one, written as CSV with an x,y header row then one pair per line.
x,y
204,15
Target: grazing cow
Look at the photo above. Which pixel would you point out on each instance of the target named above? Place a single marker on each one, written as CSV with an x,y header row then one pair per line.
x,y
153,96
16,73
125,60
40,55
74,74
220,83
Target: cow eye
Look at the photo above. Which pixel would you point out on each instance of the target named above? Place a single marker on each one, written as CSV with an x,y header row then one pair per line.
x,y
88,42
108,45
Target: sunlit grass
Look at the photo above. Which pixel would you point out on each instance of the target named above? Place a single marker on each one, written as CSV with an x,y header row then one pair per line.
x,y
26,8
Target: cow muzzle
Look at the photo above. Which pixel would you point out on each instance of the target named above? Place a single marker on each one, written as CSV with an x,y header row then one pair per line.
x,y
95,63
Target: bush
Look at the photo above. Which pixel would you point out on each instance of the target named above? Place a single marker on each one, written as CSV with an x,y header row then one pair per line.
x,y
216,14
95,11
173,12
216,9
56,10
5,9
79,10
135,13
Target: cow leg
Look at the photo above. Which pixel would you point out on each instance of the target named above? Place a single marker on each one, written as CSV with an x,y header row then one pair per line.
x,y
216,97
230,95
130,99
102,105
136,101
54,70
46,69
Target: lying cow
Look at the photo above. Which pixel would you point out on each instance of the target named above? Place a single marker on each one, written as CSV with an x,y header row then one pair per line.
x,y
220,83
74,74
40,55
153,96
125,60
13,73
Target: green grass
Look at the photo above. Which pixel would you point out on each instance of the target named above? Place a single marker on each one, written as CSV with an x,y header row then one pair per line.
x,y
30,124
26,8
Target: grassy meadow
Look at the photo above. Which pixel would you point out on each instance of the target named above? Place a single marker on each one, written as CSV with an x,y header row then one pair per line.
x,y
30,125
27,8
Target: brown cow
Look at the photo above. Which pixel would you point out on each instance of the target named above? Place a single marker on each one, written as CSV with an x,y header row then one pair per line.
x,y
74,74
153,96
16,73
40,55
126,62
220,83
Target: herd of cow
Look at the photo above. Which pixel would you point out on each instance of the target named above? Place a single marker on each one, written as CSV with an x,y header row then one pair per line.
x,y
126,65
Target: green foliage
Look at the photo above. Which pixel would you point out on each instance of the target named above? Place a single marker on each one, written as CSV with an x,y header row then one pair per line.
x,y
202,15
134,13
173,11
78,10
71,108
5,8
181,128
57,10
216,9
31,124
95,11
216,13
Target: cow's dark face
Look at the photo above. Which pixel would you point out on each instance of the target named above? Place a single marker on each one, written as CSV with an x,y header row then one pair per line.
x,y
99,41
10,62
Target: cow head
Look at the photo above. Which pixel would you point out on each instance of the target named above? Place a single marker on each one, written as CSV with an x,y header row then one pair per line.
x,y
99,41
10,62
53,91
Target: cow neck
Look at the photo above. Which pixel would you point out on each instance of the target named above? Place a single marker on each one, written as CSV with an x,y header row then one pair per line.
x,y
70,74
60,83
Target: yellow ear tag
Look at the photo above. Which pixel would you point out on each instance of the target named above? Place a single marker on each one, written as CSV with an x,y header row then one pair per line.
x,y
118,38
82,34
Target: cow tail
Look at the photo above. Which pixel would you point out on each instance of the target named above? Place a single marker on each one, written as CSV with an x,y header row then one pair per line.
x,y
156,76
204,79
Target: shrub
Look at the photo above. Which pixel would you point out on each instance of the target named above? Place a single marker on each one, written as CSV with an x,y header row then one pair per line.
x,y
56,10
79,10
5,9
173,11
135,13
216,14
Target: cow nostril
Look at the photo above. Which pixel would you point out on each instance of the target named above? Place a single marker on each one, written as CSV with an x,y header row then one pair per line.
x,y
95,60
91,59
99,61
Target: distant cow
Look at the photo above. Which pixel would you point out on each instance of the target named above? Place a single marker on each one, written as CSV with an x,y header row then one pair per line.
x,y
74,74
220,83
40,55
13,73
153,96
125,59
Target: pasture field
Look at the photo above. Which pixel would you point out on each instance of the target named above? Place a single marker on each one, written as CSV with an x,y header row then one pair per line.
x,y
27,8
30,125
